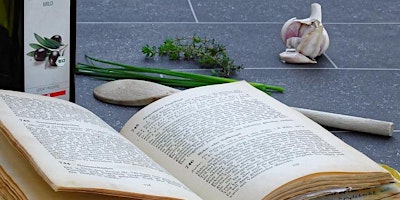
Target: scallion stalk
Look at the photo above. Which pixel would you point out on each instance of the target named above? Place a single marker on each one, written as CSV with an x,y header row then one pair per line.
x,y
175,78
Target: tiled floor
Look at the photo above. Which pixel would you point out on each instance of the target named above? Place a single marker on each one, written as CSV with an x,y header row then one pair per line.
x,y
358,75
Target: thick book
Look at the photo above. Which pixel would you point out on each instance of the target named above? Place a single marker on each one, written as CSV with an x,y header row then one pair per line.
x,y
226,141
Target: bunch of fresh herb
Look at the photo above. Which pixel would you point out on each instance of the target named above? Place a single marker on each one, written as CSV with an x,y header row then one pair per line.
x,y
207,52
115,71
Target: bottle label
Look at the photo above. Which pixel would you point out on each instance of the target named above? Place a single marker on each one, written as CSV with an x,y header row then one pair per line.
x,y
61,61
46,47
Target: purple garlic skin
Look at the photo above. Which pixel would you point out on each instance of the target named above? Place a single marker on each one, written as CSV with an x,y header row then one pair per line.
x,y
307,37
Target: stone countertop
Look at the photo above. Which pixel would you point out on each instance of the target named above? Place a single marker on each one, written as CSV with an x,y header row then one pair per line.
x,y
358,75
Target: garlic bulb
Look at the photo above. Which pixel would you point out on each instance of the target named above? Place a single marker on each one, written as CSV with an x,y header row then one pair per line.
x,y
305,39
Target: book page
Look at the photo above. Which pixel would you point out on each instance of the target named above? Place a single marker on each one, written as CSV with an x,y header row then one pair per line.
x,y
73,149
30,183
232,141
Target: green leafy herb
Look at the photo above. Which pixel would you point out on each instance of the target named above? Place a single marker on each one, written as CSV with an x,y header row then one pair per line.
x,y
207,52
53,43
35,46
48,43
115,71
31,53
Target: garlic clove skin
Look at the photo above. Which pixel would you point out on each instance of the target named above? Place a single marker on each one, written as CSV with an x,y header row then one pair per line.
x,y
292,56
293,42
307,36
314,43
325,43
290,29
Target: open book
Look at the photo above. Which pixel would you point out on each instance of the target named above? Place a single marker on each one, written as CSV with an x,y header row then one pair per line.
x,y
227,141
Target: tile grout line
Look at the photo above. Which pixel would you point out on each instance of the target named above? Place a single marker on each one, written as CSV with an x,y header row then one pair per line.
x,y
363,23
306,68
196,21
193,13
322,68
183,22
331,61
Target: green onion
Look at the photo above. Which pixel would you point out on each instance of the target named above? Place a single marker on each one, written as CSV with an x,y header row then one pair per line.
x,y
174,78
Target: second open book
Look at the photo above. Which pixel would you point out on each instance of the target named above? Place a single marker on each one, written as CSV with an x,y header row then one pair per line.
x,y
227,141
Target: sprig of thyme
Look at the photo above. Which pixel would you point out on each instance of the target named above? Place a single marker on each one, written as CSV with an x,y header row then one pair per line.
x,y
207,52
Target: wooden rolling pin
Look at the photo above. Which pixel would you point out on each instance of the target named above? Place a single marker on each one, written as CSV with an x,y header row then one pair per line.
x,y
347,122
137,93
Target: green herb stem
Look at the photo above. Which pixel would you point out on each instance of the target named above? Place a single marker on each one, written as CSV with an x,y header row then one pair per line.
x,y
185,79
114,74
206,52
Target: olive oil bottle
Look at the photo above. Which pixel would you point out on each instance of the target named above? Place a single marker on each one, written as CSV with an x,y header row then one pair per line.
x,y
37,47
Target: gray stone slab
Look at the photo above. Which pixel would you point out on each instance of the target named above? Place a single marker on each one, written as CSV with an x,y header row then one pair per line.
x,y
339,11
134,11
364,45
253,46
371,94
